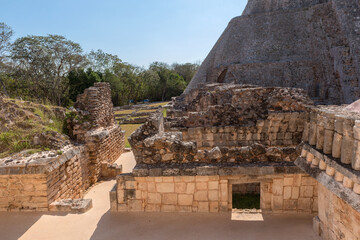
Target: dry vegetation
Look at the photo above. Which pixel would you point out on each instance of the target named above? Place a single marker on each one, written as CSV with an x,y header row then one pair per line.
x,y
22,121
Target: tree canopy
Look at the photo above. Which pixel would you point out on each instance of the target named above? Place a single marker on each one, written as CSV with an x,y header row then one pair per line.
x,y
53,69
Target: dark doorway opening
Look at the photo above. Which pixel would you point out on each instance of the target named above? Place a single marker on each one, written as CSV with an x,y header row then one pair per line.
x,y
246,196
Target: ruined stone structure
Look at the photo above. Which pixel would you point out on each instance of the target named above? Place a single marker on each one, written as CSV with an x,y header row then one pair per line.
x,y
330,154
220,137
215,137
309,44
33,183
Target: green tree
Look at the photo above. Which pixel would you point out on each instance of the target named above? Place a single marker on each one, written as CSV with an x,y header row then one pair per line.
x,y
99,61
79,80
6,33
186,70
44,62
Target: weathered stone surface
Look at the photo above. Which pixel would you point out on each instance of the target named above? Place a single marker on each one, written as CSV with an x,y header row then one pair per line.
x,y
248,53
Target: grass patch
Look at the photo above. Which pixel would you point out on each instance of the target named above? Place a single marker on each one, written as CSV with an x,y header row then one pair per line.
x,y
245,201
164,112
158,104
128,111
129,129
147,111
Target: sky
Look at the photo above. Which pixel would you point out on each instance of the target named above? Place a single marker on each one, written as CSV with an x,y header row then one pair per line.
x,y
138,31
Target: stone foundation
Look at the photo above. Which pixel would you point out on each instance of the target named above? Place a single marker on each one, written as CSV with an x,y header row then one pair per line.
x,y
337,219
33,186
281,193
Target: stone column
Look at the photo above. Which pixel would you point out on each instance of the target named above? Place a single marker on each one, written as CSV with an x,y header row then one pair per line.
x,y
305,136
355,161
336,149
329,133
320,131
347,141
312,128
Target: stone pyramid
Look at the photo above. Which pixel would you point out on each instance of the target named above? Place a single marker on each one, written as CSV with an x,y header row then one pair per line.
x,y
309,44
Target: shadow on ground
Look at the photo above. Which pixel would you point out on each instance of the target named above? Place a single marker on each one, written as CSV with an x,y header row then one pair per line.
x,y
201,226
13,225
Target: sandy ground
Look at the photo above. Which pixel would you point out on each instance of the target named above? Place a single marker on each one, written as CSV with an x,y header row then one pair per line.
x,y
99,223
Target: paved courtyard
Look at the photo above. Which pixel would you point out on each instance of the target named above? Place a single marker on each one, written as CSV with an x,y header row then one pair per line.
x,y
99,223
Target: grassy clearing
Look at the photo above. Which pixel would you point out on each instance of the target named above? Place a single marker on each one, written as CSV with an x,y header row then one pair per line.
x,y
158,104
246,201
147,111
128,111
129,129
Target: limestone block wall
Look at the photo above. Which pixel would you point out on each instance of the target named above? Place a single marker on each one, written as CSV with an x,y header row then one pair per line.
x,y
33,186
97,101
104,146
335,132
23,192
278,129
283,193
336,219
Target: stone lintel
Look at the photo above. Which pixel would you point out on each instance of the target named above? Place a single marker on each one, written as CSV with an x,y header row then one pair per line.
x,y
222,169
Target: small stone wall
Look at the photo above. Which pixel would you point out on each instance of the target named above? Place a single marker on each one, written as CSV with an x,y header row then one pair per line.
x,y
279,193
35,184
104,146
336,219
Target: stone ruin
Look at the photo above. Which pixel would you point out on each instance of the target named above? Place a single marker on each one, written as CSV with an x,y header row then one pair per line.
x,y
308,44
217,136
304,157
57,180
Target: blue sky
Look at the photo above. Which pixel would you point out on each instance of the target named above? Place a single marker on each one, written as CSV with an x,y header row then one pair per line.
x,y
138,31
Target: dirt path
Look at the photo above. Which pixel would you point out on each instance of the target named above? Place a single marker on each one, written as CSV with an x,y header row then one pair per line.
x,y
99,223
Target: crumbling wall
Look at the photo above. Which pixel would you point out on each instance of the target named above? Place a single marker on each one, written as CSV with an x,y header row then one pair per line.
x,y
216,136
92,123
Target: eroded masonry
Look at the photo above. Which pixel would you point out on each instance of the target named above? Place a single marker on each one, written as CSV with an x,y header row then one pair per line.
x,y
309,44
221,136
39,181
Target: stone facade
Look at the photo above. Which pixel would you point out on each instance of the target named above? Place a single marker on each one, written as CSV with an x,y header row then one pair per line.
x,y
281,193
330,155
33,183
310,44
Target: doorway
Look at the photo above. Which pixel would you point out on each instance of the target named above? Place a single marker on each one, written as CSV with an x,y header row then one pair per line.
x,y
246,196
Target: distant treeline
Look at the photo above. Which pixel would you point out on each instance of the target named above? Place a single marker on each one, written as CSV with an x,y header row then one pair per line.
x,y
52,69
